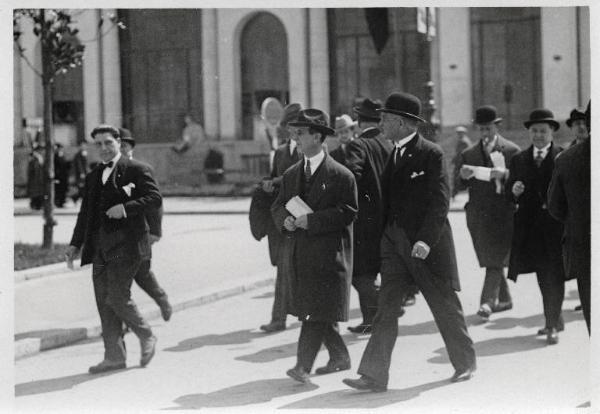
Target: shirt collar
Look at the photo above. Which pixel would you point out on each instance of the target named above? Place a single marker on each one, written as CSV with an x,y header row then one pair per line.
x,y
544,150
292,146
315,161
115,159
405,140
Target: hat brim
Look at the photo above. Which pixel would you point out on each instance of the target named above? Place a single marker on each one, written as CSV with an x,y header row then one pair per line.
x,y
570,121
373,116
129,141
401,113
493,121
352,125
549,121
321,128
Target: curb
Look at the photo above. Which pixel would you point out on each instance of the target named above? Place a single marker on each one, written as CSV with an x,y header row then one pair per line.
x,y
62,337
42,271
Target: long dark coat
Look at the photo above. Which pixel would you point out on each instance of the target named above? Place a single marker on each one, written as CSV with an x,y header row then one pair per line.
x,y
537,235
420,183
489,214
366,158
319,259
569,202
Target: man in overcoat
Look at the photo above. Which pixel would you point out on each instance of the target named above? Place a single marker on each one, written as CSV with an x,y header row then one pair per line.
x,y
112,233
366,158
416,247
577,125
318,244
344,131
489,213
536,243
569,202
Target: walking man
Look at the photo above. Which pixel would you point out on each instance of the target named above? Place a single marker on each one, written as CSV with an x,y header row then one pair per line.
x,y
112,231
318,245
416,248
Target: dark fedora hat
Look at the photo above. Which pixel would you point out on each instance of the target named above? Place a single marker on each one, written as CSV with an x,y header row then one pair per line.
x,y
486,114
403,104
126,136
543,116
367,109
314,118
575,115
290,113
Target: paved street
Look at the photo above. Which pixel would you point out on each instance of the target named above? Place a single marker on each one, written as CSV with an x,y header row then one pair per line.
x,y
213,356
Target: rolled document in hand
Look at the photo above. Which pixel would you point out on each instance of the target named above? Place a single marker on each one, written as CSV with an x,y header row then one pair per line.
x,y
297,207
480,173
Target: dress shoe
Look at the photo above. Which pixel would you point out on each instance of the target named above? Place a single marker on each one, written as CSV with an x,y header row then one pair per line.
x,y
465,375
106,366
361,329
484,312
299,374
333,366
148,349
544,331
273,327
578,307
364,383
552,336
409,300
166,310
502,306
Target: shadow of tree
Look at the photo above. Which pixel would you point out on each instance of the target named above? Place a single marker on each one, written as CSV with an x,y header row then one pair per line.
x,y
59,384
254,392
351,399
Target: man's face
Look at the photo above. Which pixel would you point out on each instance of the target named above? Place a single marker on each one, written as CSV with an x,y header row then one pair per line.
x,y
345,135
393,127
579,128
108,146
126,149
486,132
540,134
308,143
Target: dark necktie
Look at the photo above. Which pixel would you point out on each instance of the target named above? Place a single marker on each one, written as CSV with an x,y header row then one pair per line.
x,y
307,171
538,158
398,154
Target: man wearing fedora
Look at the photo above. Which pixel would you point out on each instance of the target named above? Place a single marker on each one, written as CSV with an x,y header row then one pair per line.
x,y
576,123
285,156
145,277
489,213
367,117
416,247
318,244
344,131
569,202
536,241
366,157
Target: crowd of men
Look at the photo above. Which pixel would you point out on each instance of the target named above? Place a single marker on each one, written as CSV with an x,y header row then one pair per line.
x,y
376,206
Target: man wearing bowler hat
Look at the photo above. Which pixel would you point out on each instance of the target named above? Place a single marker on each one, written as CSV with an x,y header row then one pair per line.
x,y
416,247
318,244
145,277
576,123
489,213
536,242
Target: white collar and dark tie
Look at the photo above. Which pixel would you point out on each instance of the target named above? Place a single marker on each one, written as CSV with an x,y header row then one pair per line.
x,y
109,167
311,164
539,154
401,146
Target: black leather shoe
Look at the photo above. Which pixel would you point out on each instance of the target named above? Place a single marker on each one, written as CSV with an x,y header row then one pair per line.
x,y
166,310
364,383
148,349
361,329
409,300
465,375
484,312
333,366
502,306
273,327
578,307
299,374
106,366
552,336
544,331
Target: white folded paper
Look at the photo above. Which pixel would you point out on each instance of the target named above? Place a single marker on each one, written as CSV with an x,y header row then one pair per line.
x,y
480,173
297,207
498,159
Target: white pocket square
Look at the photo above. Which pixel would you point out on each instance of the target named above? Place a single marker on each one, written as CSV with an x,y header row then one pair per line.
x,y
127,188
416,174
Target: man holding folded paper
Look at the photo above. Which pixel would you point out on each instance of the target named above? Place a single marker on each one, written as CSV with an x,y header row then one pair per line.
x,y
489,214
315,208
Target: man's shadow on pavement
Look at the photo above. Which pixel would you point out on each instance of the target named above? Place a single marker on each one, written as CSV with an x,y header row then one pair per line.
x,y
254,392
351,399
534,322
59,384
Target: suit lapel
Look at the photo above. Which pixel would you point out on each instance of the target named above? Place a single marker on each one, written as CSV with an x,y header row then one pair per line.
x,y
320,182
116,177
407,159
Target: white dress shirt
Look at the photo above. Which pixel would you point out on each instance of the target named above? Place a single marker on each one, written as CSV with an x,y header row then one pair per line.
x,y
544,151
315,161
292,146
108,170
401,145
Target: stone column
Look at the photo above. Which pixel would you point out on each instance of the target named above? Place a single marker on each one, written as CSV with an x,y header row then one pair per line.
x,y
88,24
319,59
111,70
210,73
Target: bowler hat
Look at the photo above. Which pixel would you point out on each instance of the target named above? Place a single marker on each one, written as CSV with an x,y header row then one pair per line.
x,y
368,109
126,136
290,113
486,114
574,116
543,116
403,104
344,121
314,118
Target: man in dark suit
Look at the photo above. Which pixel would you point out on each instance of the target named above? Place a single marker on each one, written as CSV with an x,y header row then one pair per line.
x,y
416,248
344,131
569,202
145,277
112,228
285,156
489,213
366,157
536,243
318,245
577,125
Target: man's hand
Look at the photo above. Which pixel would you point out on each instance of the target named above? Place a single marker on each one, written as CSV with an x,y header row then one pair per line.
x,y
289,224
153,238
267,186
302,222
499,173
116,212
466,173
70,255
420,250
518,188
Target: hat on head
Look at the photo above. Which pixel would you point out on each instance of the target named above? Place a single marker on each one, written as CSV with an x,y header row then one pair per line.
x,y
126,136
460,128
486,114
105,128
290,113
344,121
367,110
542,116
314,118
574,116
403,104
